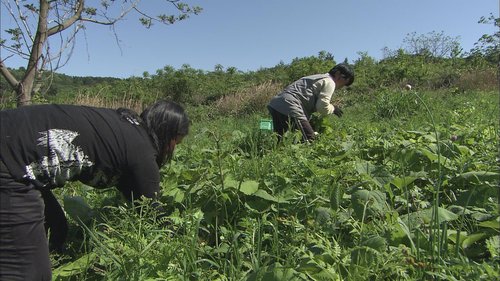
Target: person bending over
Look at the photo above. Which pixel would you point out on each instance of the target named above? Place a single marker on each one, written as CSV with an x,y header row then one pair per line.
x,y
44,146
293,107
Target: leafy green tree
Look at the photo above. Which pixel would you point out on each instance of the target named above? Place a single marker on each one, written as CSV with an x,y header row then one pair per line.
x,y
489,44
34,22
300,67
367,74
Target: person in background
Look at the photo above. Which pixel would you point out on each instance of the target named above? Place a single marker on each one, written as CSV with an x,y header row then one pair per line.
x,y
44,146
293,107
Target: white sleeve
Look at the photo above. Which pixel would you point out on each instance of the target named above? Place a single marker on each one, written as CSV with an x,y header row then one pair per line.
x,y
323,105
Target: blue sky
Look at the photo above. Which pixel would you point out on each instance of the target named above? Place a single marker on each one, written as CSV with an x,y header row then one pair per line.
x,y
252,34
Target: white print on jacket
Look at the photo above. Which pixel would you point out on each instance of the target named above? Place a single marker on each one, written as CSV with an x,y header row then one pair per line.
x,y
64,161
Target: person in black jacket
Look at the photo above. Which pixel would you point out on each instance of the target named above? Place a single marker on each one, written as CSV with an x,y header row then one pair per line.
x,y
44,146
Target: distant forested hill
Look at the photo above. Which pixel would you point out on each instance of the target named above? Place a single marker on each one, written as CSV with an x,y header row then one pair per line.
x,y
55,83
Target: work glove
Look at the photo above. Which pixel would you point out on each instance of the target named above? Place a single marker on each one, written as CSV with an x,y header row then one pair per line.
x,y
338,111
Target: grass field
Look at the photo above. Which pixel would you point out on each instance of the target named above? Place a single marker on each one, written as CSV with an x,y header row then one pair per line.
x,y
403,187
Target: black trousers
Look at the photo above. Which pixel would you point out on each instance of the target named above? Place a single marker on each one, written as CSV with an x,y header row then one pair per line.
x,y
24,251
282,123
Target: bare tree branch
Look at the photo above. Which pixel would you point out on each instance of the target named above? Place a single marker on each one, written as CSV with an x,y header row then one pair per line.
x,y
8,75
57,17
69,22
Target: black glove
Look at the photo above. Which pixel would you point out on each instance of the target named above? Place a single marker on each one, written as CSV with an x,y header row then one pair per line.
x,y
337,111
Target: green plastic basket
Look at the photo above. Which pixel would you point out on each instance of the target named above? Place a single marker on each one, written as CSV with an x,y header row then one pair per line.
x,y
266,124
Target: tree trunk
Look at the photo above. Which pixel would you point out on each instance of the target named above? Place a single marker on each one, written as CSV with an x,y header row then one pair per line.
x,y
22,96
25,87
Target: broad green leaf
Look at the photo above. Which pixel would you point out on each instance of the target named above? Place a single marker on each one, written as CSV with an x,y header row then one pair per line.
x,y
198,215
382,177
249,187
480,176
457,237
370,203
494,224
375,242
459,210
76,267
473,238
365,167
176,194
418,133
430,137
433,157
480,216
464,150
377,174
230,182
223,248
425,216
409,157
258,205
445,215
403,182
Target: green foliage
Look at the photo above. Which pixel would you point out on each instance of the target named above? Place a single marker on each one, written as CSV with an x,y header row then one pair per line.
x,y
400,199
392,104
309,65
488,45
236,92
403,187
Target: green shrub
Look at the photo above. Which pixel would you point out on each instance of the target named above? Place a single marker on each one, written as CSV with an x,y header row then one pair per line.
x,y
392,103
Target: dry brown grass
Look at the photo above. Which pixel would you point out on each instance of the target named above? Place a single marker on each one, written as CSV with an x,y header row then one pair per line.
x,y
486,80
97,101
249,100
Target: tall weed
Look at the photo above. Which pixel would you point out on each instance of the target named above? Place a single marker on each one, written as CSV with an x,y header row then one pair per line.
x,y
396,103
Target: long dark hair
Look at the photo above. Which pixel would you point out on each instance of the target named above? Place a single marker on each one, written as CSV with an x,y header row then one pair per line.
x,y
165,121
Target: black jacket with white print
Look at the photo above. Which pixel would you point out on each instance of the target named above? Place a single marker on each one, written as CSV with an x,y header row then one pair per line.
x,y
50,145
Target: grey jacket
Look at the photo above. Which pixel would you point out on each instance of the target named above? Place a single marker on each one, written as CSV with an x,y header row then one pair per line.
x,y
305,96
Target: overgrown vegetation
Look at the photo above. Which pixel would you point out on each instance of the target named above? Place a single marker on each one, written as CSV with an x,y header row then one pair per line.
x,y
403,187
230,87
392,197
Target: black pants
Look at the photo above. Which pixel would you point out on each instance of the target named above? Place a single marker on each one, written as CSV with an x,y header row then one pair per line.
x,y
24,252
282,123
